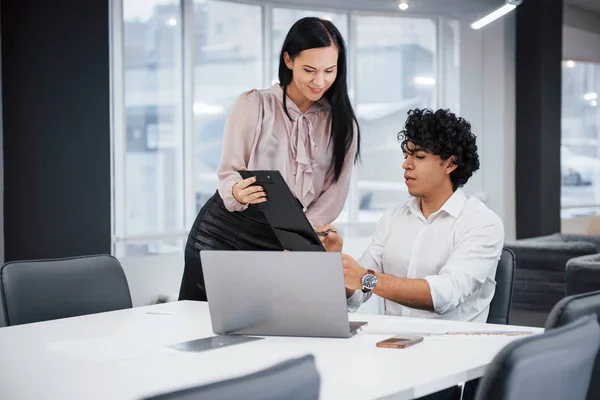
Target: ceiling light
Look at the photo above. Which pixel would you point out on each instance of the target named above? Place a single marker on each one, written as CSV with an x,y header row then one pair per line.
x,y
590,96
594,103
505,9
570,64
403,6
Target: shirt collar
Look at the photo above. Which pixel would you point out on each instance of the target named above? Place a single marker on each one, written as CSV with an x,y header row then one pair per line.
x,y
455,203
413,206
453,206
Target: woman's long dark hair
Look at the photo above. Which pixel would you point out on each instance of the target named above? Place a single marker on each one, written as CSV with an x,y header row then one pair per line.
x,y
311,33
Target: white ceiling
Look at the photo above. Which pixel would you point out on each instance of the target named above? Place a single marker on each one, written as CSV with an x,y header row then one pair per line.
x,y
459,9
451,8
586,5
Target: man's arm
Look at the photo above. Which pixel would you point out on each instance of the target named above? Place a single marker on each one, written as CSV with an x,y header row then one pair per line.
x,y
471,263
414,293
372,257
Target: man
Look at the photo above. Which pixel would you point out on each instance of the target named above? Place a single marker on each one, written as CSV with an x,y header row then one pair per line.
x,y
434,256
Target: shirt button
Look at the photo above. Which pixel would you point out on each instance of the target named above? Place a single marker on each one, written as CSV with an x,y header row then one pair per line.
x,y
294,173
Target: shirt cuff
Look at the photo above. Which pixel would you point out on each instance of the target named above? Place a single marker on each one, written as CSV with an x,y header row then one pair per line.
x,y
354,302
231,204
441,293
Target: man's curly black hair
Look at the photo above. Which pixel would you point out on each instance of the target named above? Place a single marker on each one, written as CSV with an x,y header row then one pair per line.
x,y
444,134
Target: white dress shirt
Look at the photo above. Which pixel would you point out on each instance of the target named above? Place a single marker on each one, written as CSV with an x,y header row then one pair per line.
x,y
456,250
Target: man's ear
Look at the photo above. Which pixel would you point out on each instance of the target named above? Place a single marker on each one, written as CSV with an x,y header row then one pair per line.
x,y
451,165
287,60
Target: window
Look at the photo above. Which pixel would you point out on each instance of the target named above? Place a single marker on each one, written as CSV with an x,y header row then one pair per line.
x,y
395,72
227,62
149,167
580,142
179,67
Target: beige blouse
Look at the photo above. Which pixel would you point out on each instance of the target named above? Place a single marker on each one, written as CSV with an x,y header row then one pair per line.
x,y
259,135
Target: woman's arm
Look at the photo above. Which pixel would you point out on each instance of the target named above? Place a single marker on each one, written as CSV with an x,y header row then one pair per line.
x,y
238,137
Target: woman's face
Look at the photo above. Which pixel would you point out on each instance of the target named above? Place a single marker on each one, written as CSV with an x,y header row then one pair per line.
x,y
313,71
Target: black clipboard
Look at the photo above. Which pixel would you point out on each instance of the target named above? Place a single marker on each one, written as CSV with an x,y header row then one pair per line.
x,y
284,212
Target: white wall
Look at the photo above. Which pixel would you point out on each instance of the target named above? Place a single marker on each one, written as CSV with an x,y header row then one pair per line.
x,y
152,276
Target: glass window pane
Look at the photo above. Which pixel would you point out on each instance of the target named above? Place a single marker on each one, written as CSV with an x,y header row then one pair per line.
x,y
396,72
146,247
451,69
153,154
227,62
580,141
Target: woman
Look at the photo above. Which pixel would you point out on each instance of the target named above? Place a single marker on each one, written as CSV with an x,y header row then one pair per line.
x,y
304,127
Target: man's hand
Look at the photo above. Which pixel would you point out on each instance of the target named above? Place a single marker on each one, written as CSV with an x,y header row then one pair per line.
x,y
330,239
353,273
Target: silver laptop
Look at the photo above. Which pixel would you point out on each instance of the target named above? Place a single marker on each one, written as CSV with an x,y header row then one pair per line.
x,y
276,293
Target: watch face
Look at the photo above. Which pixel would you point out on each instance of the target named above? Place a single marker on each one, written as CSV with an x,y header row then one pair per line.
x,y
369,281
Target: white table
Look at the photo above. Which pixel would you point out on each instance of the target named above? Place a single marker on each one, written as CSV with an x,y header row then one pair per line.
x,y
125,355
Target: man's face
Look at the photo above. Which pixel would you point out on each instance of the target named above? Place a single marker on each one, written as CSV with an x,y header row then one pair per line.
x,y
425,173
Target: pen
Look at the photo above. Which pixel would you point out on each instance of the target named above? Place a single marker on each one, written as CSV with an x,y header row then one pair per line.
x,y
325,233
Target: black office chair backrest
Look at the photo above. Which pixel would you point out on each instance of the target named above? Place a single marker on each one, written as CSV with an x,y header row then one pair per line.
x,y
568,310
505,274
581,274
296,379
555,365
42,290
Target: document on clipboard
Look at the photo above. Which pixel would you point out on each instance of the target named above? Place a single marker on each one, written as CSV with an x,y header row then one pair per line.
x,y
284,212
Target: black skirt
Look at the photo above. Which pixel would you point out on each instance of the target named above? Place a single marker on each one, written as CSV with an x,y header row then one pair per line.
x,y
216,228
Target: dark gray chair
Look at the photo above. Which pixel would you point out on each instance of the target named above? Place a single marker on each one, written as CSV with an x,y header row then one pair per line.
x,y
540,268
41,290
555,365
499,310
568,310
583,274
296,379
500,305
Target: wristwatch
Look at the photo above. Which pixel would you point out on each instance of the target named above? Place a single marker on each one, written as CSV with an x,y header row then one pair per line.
x,y
369,281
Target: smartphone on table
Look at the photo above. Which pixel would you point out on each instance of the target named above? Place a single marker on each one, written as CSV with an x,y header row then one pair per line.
x,y
400,342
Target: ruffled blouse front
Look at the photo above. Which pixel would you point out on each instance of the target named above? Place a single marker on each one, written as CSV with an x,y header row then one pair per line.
x,y
259,135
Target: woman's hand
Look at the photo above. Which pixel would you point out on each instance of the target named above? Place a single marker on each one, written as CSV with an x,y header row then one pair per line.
x,y
245,193
330,239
